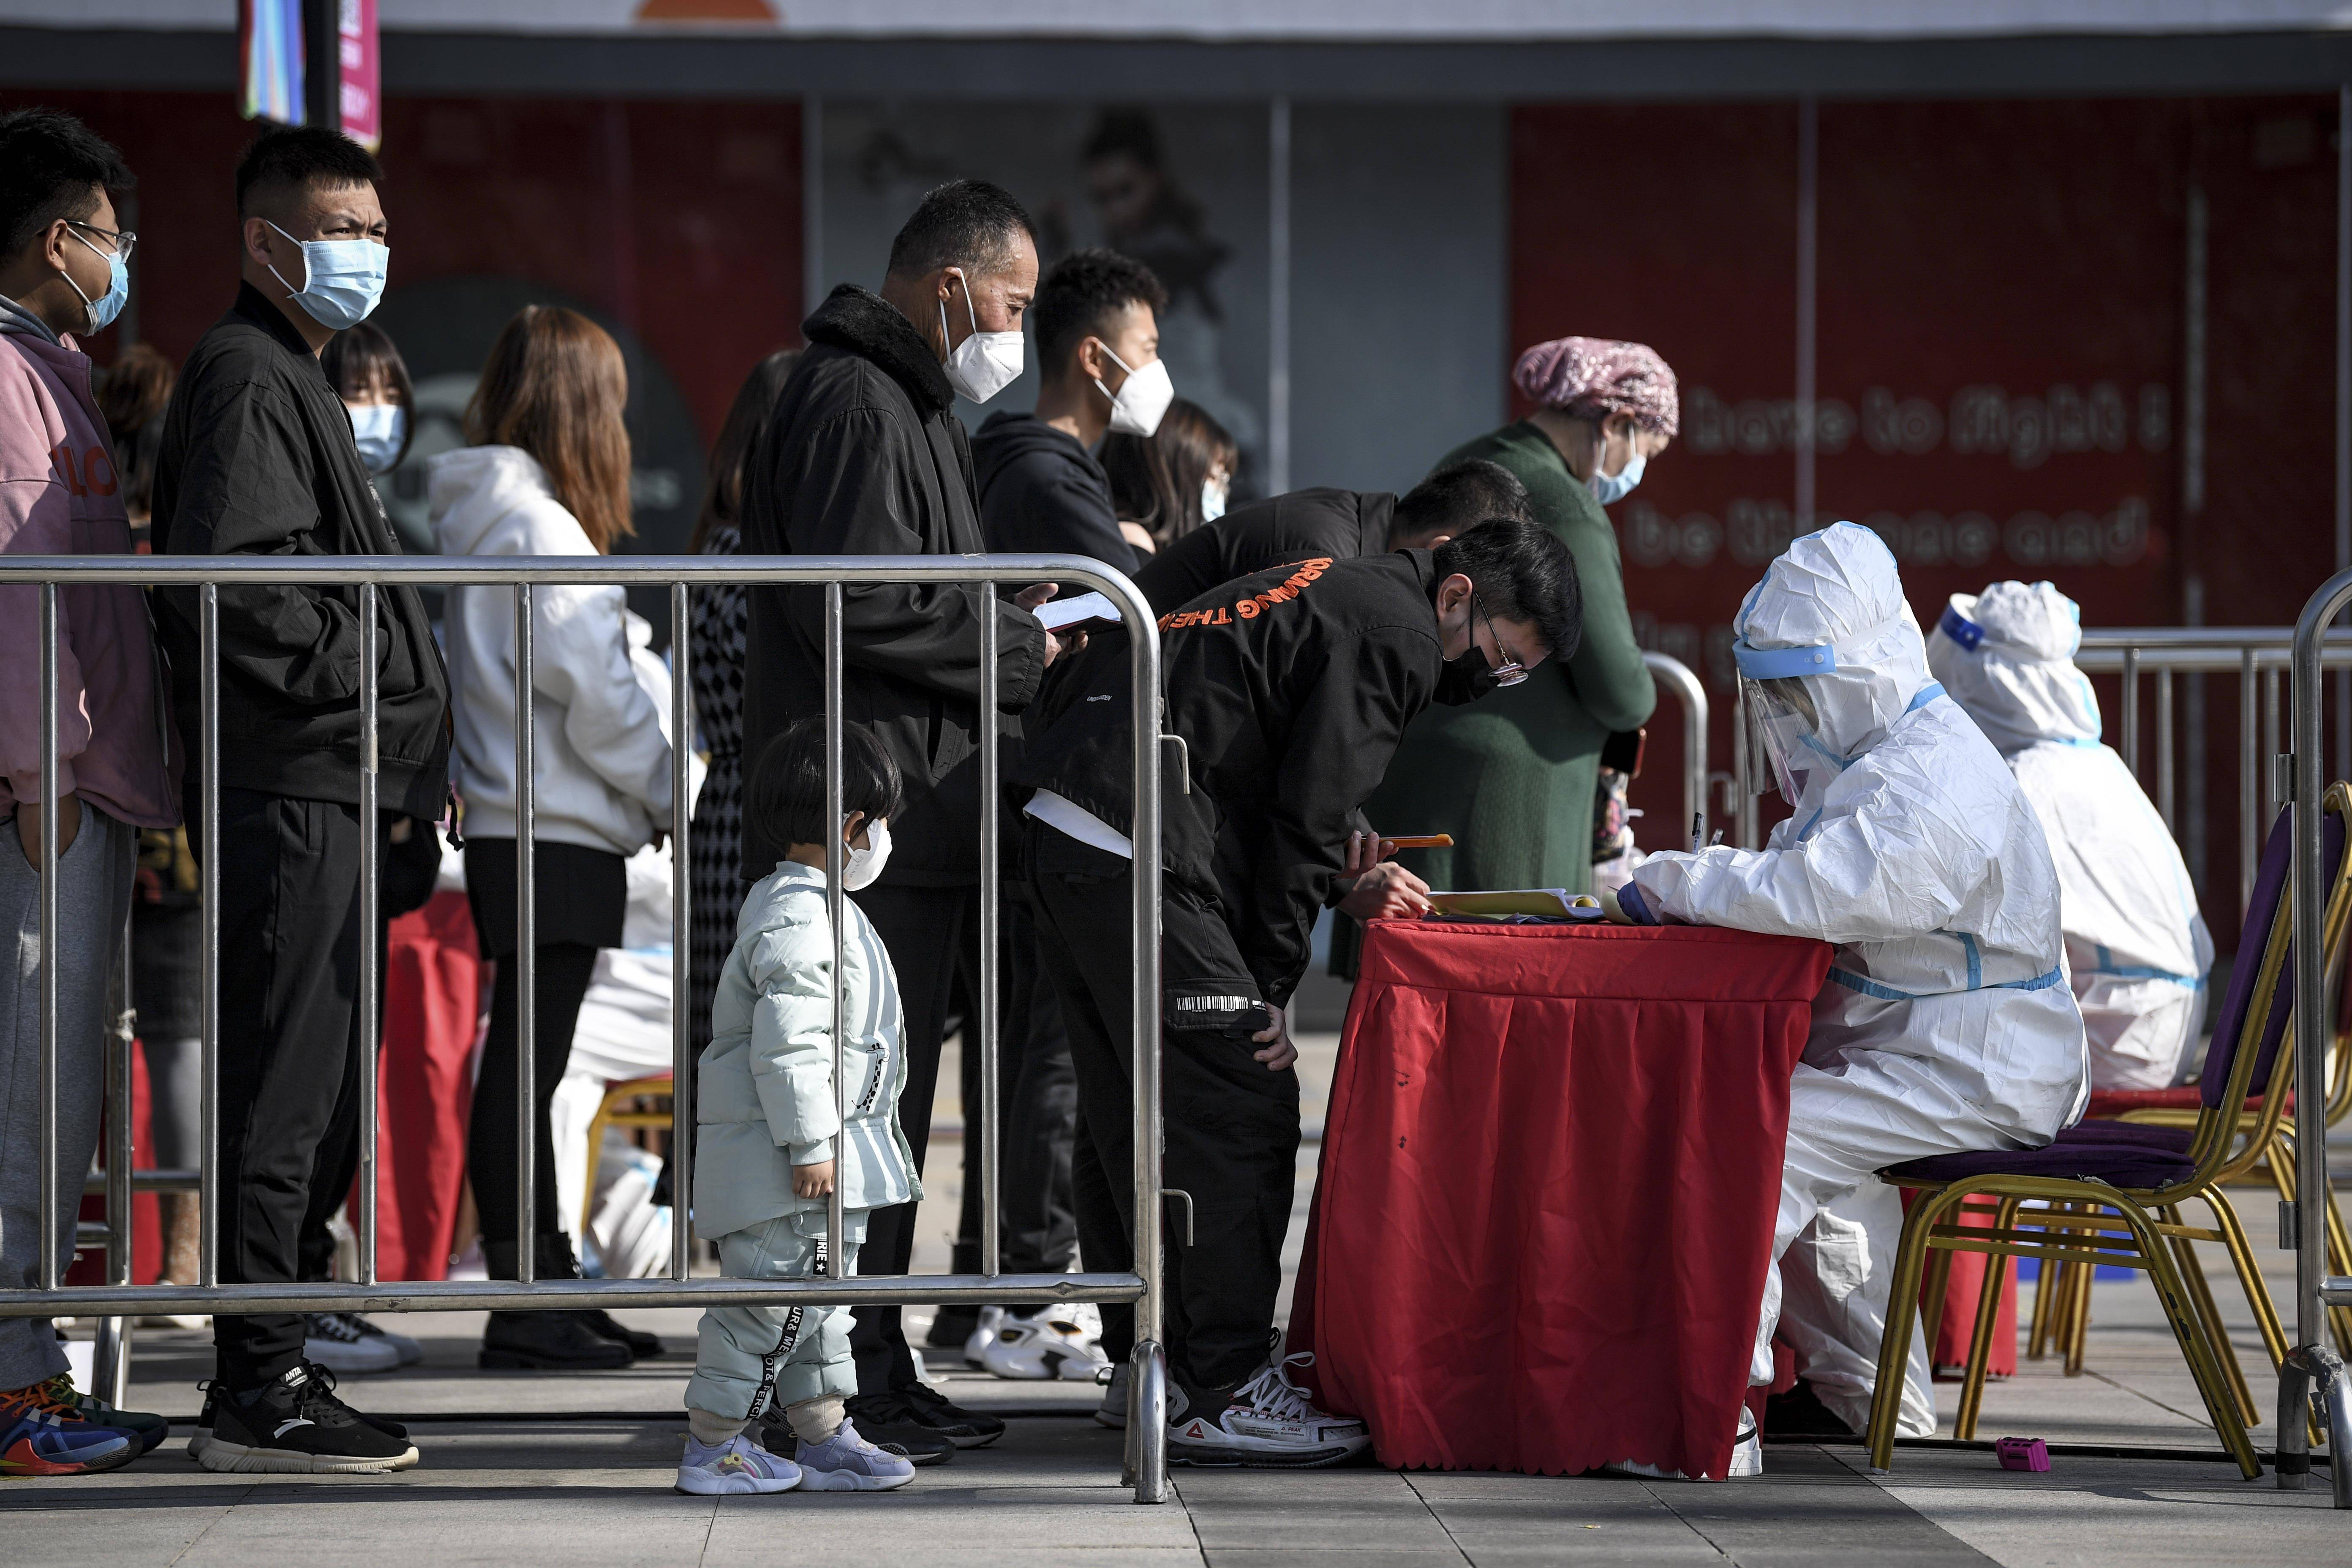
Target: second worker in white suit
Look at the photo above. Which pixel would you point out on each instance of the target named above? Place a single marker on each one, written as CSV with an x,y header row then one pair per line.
x,y
1946,1024
2137,949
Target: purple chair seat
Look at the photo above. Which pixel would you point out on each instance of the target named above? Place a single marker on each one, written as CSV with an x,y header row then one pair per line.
x,y
2133,1164
2174,1140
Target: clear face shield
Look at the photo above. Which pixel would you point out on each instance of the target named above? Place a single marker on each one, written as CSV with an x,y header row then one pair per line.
x,y
1784,750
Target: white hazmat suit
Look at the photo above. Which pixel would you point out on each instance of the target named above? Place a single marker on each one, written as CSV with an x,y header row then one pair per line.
x,y
1946,1024
2137,950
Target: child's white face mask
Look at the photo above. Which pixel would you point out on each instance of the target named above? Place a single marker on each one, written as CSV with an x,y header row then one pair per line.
x,y
861,866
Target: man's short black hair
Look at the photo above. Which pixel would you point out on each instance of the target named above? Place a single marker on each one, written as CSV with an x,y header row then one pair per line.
x,y
1457,498
1522,572
964,223
787,798
52,166
292,156
1078,298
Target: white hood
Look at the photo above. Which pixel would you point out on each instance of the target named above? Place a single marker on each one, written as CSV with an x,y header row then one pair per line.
x,y
2006,656
1837,590
476,493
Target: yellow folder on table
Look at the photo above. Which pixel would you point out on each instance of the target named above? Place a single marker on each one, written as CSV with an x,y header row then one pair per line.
x,y
1556,902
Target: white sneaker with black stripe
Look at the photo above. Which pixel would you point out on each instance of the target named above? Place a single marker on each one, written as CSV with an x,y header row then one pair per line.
x,y
1747,1459
344,1344
1267,1423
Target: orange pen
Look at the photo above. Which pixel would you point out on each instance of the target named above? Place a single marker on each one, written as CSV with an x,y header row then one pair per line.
x,y
1420,841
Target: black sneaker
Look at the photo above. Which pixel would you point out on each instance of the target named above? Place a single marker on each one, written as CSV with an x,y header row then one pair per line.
x,y
964,1429
915,1445
1800,1412
549,1341
950,1327
642,1345
294,1425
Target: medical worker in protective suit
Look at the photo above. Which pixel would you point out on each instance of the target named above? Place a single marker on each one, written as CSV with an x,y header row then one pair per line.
x,y
2137,950
1946,1024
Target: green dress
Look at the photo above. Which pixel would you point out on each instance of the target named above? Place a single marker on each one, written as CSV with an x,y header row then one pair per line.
x,y
1512,775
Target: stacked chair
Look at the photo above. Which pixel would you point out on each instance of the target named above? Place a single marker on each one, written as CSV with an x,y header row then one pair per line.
x,y
2116,1189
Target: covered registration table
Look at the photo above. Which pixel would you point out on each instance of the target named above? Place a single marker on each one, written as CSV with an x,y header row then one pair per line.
x,y
1551,1166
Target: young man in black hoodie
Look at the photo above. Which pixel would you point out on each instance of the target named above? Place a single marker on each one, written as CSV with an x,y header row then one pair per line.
x,y
257,458
863,455
1096,323
1290,690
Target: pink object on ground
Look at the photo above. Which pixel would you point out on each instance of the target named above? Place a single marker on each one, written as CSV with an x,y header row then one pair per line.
x,y
2022,1454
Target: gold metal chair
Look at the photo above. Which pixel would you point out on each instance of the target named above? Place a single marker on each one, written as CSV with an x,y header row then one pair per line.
x,y
2116,1191
620,1108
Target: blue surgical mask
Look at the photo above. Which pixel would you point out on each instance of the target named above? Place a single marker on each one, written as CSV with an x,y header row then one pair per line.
x,y
1610,488
344,279
109,305
379,427
1213,500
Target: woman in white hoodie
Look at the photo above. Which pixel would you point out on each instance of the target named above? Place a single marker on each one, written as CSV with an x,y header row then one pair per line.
x,y
546,472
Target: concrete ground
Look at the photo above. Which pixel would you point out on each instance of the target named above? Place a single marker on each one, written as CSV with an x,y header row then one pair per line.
x,y
509,1477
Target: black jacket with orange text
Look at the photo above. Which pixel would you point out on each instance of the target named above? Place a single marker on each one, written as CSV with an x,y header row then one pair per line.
x,y
1290,688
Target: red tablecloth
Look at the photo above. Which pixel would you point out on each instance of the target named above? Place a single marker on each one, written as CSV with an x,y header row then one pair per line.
x,y
1551,1166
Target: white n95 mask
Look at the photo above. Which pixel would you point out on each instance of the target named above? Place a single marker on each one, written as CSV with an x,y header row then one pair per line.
x,y
859,867
984,363
1141,400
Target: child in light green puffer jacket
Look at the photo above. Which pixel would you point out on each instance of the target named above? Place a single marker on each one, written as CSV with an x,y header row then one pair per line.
x,y
775,1133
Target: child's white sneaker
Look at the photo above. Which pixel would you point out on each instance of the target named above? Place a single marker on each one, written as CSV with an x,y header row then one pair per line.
x,y
1060,1342
738,1464
846,1462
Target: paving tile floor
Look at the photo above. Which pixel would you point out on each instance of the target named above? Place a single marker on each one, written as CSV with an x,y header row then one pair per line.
x,y
502,1483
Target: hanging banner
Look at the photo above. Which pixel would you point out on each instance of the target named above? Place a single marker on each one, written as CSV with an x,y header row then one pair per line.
x,y
361,96
269,59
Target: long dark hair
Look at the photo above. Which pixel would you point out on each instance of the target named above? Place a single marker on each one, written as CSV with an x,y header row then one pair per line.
x,y
1156,481
731,454
555,386
357,360
132,398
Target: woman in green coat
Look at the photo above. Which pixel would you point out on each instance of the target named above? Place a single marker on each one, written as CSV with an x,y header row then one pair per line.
x,y
1513,777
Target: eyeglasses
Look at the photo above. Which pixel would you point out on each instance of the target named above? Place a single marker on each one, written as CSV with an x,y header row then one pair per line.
x,y
122,239
1510,672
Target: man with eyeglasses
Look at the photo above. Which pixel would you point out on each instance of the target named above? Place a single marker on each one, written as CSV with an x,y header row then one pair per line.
x,y
1288,691
62,281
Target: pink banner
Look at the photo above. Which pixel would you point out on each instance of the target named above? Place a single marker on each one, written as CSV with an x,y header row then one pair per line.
x,y
362,94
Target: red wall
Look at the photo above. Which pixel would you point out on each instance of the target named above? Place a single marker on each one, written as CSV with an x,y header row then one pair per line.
x,y
2002,298
681,220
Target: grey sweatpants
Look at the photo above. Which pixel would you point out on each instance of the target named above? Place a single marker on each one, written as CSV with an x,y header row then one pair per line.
x,y
756,1358
93,901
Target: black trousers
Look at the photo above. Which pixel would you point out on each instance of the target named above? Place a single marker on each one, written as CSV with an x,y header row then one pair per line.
x,y
290,1025
1038,1101
580,898
1230,1128
934,935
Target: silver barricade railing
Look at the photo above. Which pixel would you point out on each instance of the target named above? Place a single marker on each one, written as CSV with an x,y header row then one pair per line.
x,y
2313,1373
1146,1461
1672,675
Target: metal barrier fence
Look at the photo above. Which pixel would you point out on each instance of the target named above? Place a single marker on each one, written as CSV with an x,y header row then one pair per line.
x,y
119,1300
2312,1374
1674,674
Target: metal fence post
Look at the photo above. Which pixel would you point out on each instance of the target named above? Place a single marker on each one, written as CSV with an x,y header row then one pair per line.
x,y
50,1272
1148,1405
2313,1364
682,937
526,947
1691,693
208,882
990,1130
836,1225
111,1365
370,948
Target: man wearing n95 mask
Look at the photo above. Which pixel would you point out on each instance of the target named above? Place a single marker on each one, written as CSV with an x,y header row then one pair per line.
x,y
1041,488
863,454
1946,1024
2137,949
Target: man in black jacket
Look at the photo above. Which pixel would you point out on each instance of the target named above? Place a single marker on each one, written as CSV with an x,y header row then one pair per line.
x,y
1303,525
1290,690
257,458
864,457
1099,369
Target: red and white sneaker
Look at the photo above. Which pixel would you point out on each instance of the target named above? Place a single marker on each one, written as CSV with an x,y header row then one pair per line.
x,y
1265,1424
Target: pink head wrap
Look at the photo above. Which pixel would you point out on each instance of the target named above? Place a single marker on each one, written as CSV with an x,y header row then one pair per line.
x,y
1596,376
